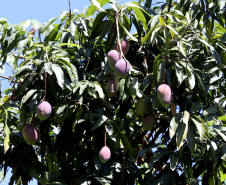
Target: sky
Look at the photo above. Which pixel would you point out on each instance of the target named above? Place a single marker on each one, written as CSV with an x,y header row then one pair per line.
x,y
17,11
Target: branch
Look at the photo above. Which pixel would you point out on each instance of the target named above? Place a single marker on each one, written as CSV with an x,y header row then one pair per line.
x,y
69,10
170,2
5,77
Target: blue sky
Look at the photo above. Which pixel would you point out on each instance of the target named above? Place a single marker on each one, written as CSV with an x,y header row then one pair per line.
x,y
17,11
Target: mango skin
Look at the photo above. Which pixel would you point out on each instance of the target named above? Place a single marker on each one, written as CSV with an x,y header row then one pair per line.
x,y
30,134
43,110
113,56
125,46
122,68
141,107
104,154
164,94
149,121
111,88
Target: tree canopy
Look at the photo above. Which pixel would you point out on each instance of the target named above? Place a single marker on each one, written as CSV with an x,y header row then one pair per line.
x,y
64,62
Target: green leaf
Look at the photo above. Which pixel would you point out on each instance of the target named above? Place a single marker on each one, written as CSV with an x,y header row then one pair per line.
x,y
52,35
23,25
153,22
47,24
59,74
160,73
97,5
68,44
172,29
91,10
181,134
36,24
173,160
7,133
28,95
222,118
128,33
183,48
180,73
191,139
158,156
200,126
22,45
99,89
174,124
140,16
48,67
145,150
99,122
83,87
167,37
122,135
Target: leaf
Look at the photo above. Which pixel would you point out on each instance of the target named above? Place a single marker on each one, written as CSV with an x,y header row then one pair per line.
x,y
91,10
36,24
7,134
22,45
181,134
167,37
53,33
99,89
160,73
173,160
153,21
128,33
48,67
174,124
122,135
47,24
59,74
200,127
97,4
23,25
82,88
158,156
179,73
218,75
28,95
140,16
222,118
183,48
99,122
145,150
68,44
191,139
173,30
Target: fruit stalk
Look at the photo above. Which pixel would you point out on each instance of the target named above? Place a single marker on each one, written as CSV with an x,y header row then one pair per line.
x,y
118,36
45,86
105,136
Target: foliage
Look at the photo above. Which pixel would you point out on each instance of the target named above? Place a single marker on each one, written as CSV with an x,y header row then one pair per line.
x,y
180,43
